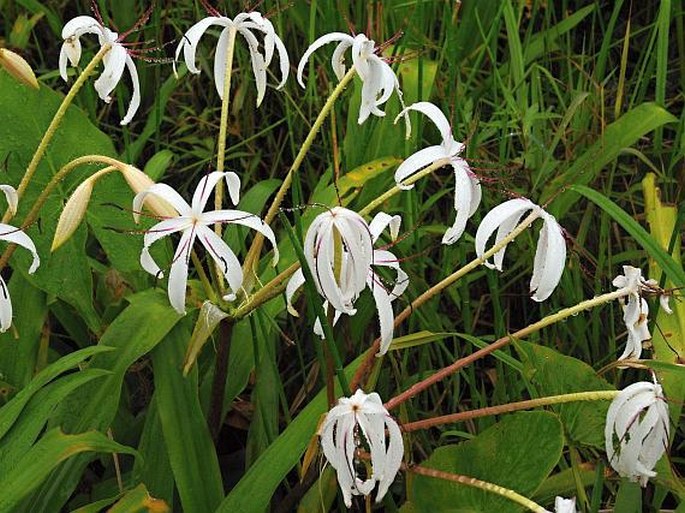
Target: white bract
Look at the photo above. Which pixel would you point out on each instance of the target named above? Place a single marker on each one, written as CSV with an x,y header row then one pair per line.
x,y
467,187
550,254
378,78
15,236
114,60
244,24
194,223
351,419
339,250
636,310
636,431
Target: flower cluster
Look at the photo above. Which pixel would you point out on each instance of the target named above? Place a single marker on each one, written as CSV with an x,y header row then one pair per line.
x,y
357,421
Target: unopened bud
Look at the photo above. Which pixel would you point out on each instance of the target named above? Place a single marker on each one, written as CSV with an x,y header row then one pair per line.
x,y
18,67
139,182
73,212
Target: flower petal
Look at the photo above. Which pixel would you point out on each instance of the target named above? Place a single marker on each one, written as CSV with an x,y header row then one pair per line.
x,y
5,307
220,60
16,236
381,221
165,192
294,283
436,116
178,274
338,59
205,187
63,61
192,37
135,96
393,459
80,25
416,162
223,256
463,197
158,231
503,218
258,64
385,313
550,259
12,197
325,39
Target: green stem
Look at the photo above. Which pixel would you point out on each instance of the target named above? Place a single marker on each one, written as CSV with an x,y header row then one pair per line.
x,y
54,124
258,242
482,485
500,343
597,395
396,189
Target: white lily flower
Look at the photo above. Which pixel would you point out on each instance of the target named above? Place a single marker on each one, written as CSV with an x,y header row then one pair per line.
x,y
550,254
636,431
194,223
378,78
341,289
15,236
244,24
467,187
114,60
636,310
351,419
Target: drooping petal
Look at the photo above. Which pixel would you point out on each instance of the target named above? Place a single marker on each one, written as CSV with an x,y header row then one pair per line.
x,y
233,185
16,236
393,460
387,259
223,256
338,59
436,116
78,26
220,59
114,62
550,259
416,162
503,218
258,64
245,219
5,307
205,187
294,283
63,61
192,37
178,274
384,309
463,197
156,232
381,221
328,38
135,96
12,197
165,192
562,505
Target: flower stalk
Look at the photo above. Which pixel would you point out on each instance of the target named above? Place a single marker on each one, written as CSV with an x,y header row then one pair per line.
x,y
595,395
54,124
258,242
500,343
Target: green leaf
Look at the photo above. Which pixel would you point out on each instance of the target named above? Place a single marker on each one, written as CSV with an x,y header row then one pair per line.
x,y
51,450
10,412
517,453
622,133
138,500
186,435
135,332
673,270
417,339
552,373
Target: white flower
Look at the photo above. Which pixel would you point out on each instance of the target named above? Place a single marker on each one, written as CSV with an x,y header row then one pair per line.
x,y
636,431
467,187
355,257
244,24
378,78
550,254
194,223
114,60
636,311
16,236
360,416
562,505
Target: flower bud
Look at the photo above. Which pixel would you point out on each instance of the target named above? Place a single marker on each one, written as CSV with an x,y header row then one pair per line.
x,y
16,66
73,212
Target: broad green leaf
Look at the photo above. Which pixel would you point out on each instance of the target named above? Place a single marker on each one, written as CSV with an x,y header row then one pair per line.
x,y
622,133
10,412
552,373
517,453
50,451
19,356
673,270
36,414
186,435
134,333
